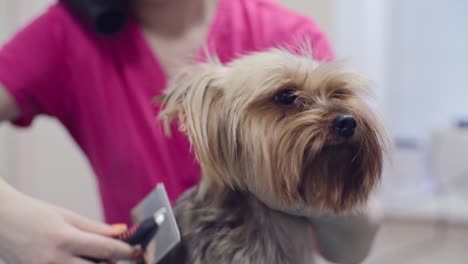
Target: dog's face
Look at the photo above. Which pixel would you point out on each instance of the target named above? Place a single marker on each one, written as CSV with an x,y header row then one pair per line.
x,y
289,130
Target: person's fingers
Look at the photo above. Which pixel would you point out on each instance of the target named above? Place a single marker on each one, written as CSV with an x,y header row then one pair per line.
x,y
91,226
100,247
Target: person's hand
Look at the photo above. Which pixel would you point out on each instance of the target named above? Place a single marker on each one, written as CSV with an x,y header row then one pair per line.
x,y
32,231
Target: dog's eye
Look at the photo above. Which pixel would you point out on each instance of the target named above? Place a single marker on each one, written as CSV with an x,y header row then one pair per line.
x,y
286,97
338,96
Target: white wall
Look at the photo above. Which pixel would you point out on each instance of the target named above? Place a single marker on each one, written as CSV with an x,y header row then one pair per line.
x,y
3,34
4,19
320,10
414,51
5,132
429,65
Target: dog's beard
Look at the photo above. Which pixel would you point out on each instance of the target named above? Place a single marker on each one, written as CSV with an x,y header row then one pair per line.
x,y
339,178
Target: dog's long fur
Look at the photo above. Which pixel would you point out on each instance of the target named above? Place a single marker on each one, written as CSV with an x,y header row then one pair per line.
x,y
260,158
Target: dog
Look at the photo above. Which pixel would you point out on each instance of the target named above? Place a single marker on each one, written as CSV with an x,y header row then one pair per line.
x,y
278,136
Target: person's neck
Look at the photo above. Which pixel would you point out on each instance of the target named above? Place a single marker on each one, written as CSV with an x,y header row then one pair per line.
x,y
172,17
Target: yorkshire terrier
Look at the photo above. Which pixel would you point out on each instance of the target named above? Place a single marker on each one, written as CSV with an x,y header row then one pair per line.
x,y
278,135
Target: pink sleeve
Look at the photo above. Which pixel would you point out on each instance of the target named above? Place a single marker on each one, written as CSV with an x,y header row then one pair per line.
x,y
33,67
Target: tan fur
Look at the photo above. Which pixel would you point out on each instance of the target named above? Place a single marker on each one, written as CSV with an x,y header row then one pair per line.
x,y
285,157
244,140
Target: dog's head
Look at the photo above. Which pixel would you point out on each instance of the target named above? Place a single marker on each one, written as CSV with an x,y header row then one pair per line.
x,y
284,127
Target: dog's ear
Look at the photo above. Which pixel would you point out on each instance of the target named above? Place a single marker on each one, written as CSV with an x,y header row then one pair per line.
x,y
196,98
190,96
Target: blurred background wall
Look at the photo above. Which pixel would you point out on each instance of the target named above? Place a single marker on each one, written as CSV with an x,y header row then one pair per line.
x,y
428,62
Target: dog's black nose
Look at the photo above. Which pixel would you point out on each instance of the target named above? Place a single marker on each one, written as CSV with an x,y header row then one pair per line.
x,y
344,125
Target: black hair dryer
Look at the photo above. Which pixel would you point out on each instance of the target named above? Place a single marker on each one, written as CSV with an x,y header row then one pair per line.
x,y
106,17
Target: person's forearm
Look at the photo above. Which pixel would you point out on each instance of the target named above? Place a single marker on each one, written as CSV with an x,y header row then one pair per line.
x,y
347,239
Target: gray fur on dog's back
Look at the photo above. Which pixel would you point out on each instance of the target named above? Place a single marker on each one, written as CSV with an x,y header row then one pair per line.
x,y
238,229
